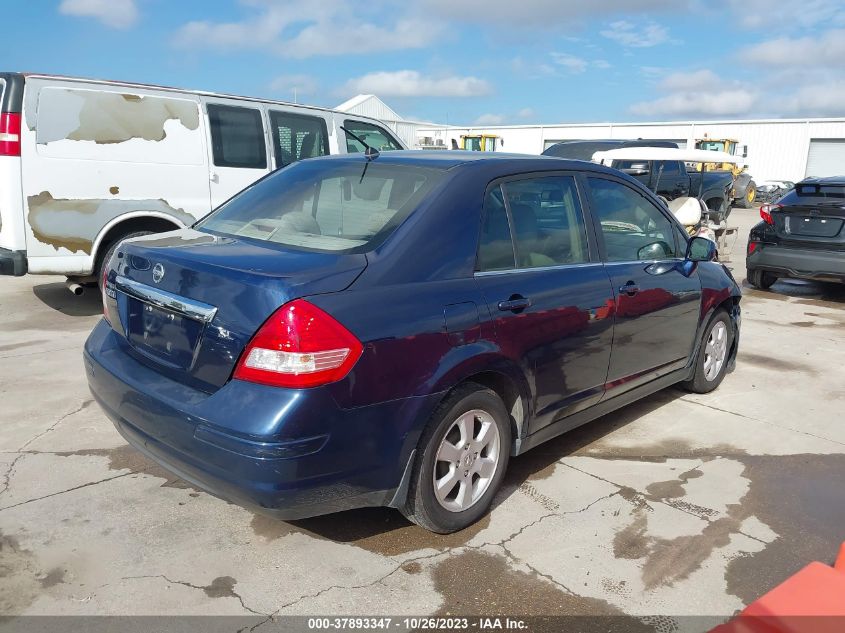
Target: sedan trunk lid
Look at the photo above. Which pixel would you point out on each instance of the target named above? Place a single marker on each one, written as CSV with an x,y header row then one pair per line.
x,y
188,302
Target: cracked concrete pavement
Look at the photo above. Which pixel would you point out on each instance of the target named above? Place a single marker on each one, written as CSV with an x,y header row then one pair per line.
x,y
679,504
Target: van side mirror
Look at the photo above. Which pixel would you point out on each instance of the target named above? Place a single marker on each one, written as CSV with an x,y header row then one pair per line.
x,y
700,249
640,169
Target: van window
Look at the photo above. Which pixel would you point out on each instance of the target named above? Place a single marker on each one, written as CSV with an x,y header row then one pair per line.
x,y
237,137
373,135
298,136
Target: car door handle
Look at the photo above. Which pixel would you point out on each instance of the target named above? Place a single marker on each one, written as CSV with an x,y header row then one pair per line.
x,y
629,289
514,304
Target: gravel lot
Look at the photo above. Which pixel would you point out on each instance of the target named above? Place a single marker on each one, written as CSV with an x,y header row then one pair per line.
x,y
676,505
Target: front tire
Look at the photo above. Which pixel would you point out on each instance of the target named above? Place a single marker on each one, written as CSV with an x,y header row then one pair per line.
x,y
747,201
461,460
760,278
711,362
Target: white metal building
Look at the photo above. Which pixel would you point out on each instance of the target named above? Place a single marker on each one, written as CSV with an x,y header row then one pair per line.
x,y
778,149
371,105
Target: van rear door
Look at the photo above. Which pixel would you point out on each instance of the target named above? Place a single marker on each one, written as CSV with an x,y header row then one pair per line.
x,y
12,235
237,149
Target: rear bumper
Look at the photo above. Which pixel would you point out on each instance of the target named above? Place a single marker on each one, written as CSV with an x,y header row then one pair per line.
x,y
13,263
798,263
311,457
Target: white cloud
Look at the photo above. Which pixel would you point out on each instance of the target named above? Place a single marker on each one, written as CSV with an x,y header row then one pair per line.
x,y
489,119
525,113
787,13
826,49
602,64
811,101
118,14
411,83
737,102
299,30
571,63
543,13
699,93
629,35
287,84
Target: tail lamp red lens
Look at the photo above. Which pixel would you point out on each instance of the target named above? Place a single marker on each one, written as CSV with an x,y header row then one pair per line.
x,y
10,134
766,212
752,246
299,346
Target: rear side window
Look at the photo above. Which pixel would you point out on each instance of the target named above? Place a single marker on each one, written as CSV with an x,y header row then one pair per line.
x,y
237,137
298,136
633,228
495,248
547,221
373,135
333,206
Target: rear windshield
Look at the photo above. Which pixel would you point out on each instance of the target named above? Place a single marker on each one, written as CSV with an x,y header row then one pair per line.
x,y
326,205
820,191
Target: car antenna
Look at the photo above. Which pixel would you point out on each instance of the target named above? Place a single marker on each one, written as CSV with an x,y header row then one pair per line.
x,y
370,153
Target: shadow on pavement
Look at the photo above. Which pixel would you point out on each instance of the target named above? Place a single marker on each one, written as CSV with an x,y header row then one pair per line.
x,y
800,289
59,298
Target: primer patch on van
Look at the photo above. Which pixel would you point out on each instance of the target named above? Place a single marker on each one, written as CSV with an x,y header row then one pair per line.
x,y
108,117
74,223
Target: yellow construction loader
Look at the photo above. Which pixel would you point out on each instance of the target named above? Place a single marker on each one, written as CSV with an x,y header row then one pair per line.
x,y
479,142
745,190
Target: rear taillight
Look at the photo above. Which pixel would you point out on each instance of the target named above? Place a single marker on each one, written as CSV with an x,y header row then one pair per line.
x,y
752,246
299,346
10,134
766,212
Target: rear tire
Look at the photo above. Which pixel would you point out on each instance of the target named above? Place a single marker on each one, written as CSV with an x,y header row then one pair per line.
x,y
760,278
111,250
711,362
465,449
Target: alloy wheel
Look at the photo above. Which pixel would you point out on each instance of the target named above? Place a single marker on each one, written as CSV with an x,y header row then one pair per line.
x,y
715,351
466,461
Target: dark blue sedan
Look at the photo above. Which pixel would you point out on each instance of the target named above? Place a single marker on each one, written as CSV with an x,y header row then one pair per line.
x,y
387,330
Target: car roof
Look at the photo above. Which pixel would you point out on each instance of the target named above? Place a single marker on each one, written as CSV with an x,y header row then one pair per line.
x,y
450,159
827,180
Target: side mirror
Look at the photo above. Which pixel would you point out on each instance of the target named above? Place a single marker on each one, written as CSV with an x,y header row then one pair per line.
x,y
700,249
655,250
636,171
745,151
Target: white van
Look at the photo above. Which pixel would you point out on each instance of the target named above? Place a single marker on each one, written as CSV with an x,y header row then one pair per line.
x,y
86,163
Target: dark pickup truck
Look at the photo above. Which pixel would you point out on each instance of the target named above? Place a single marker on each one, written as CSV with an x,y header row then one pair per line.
x,y
667,178
670,179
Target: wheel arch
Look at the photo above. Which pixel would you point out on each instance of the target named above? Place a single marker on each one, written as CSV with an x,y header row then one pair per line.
x,y
155,221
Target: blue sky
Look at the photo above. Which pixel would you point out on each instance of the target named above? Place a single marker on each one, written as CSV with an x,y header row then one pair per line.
x,y
461,61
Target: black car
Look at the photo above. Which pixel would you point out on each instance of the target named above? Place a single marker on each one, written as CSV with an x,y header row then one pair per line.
x,y
801,236
584,150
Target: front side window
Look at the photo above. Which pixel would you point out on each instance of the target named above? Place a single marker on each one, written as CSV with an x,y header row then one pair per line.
x,y
237,137
325,206
547,221
633,228
372,135
298,136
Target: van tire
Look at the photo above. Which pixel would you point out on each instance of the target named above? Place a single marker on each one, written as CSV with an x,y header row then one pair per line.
x,y
715,349
112,247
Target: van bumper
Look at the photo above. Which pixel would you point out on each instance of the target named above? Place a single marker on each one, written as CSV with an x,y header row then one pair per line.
x,y
13,263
